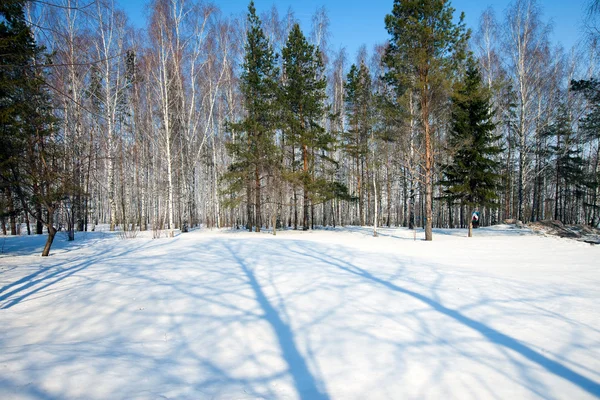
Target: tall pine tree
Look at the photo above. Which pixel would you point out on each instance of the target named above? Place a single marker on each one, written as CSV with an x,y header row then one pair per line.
x,y
472,178
303,99
254,150
424,49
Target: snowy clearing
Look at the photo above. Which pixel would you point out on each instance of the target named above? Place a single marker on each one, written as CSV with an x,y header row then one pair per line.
x,y
312,315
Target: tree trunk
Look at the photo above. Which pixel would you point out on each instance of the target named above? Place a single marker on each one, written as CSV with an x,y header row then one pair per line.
x,y
557,189
51,234
71,225
509,181
295,209
389,188
39,226
11,212
249,205
169,179
215,184
522,144
428,180
257,201
305,204
470,222
26,215
405,200
360,194
376,205
596,189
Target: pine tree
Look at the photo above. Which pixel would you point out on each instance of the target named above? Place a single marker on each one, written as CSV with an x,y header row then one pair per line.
x,y
424,49
472,178
254,150
303,99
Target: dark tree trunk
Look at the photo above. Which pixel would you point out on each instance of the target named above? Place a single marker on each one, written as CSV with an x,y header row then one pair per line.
x,y
411,204
11,212
404,199
295,210
470,222
389,196
51,233
305,203
26,215
249,205
257,205
305,211
39,226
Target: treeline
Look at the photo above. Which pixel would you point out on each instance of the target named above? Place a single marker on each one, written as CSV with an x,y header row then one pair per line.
x,y
201,118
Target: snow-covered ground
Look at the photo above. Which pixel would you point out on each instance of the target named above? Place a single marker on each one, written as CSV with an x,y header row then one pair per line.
x,y
313,315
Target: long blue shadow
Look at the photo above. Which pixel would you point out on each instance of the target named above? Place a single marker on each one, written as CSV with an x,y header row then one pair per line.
x,y
29,389
304,381
19,294
25,278
29,282
490,333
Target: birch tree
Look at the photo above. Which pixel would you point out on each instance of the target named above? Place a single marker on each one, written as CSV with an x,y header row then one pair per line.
x,y
525,36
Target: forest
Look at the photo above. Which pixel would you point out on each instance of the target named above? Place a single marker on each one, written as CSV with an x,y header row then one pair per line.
x,y
252,121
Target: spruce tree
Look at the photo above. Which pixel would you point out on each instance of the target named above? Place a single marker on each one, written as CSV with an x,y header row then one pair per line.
x,y
254,150
31,168
472,178
17,47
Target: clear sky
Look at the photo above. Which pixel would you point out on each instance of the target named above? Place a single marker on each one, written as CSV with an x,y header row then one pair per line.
x,y
357,22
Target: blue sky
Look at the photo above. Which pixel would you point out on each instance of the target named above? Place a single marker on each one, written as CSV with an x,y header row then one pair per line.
x,y
357,22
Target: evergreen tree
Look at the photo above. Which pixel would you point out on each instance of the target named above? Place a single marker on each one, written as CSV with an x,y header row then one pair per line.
x,y
31,169
254,150
424,50
16,49
303,99
472,178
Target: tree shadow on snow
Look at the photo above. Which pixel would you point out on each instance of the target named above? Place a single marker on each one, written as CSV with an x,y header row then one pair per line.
x,y
492,335
33,245
223,287
305,383
45,277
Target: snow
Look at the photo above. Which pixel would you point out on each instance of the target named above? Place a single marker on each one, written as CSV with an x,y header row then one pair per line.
x,y
327,314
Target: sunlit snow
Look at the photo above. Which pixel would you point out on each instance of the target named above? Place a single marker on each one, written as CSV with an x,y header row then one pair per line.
x,y
313,315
